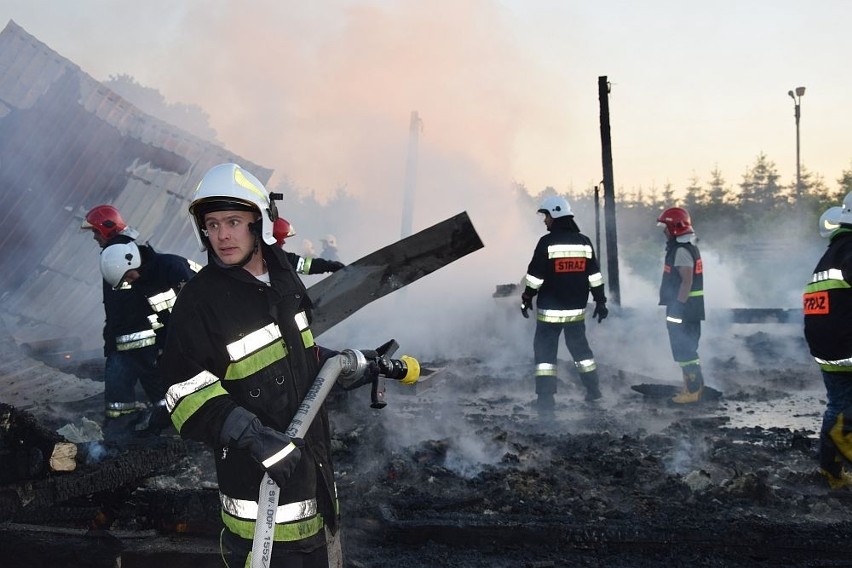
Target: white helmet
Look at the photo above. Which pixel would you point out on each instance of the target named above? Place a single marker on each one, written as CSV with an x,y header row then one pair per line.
x,y
557,207
117,259
846,213
829,221
228,187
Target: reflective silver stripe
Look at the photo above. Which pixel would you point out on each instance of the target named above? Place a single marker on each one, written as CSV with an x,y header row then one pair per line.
x,y
673,319
830,274
561,316
189,386
163,300
244,509
278,456
302,321
121,405
569,251
135,340
533,282
545,369
155,321
194,266
586,365
596,279
847,362
254,341
300,265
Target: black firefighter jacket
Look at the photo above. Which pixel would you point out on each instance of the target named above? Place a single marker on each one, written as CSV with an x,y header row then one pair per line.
x,y
828,306
562,272
234,341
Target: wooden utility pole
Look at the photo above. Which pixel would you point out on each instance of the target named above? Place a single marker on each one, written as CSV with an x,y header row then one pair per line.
x,y
614,291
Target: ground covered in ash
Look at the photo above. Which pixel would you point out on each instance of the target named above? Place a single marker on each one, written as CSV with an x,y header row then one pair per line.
x,y
462,471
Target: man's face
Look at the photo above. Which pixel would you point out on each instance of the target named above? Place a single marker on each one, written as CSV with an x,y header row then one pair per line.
x,y
98,238
229,234
131,276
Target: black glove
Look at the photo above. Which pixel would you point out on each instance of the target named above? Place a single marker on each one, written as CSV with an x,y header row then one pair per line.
x,y
601,311
334,265
526,304
276,452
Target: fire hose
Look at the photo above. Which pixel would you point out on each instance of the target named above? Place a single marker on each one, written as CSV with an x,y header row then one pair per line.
x,y
350,368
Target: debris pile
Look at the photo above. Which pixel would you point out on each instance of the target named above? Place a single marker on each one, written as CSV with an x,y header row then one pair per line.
x,y
462,471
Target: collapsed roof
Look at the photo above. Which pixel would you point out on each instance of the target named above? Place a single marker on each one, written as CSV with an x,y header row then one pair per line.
x,y
69,143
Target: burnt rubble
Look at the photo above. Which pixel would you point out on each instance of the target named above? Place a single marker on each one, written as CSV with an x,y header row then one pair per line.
x,y
461,471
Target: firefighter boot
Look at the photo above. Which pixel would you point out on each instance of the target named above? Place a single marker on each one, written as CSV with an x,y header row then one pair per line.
x,y
844,479
831,464
591,382
693,386
841,434
545,388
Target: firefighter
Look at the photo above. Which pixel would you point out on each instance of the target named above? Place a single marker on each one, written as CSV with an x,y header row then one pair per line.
x,y
240,357
129,341
157,278
562,272
682,293
282,230
827,306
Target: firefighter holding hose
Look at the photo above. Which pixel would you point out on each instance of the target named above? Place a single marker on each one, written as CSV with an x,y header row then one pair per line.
x,y
240,357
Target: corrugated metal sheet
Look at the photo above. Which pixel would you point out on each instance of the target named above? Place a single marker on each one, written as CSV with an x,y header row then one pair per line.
x,y
68,143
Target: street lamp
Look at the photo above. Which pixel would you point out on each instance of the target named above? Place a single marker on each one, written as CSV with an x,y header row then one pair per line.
x,y
797,104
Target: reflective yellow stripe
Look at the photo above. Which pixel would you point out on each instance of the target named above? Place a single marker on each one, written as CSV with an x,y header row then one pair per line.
x,y
241,180
287,513
184,399
286,532
561,316
253,363
303,265
545,370
586,365
307,334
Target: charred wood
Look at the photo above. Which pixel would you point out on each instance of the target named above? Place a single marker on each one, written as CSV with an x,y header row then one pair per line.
x,y
29,450
123,466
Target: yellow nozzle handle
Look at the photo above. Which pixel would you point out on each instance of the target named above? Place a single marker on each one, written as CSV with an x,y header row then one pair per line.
x,y
413,372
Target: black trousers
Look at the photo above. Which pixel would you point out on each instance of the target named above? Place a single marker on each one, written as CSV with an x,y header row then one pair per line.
x,y
683,338
235,551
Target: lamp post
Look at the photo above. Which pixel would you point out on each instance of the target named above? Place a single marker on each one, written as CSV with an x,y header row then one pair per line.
x,y
797,105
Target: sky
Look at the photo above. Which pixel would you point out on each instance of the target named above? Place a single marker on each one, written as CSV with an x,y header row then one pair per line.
x,y
322,92
507,92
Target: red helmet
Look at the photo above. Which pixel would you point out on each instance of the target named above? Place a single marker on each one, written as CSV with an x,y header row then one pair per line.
x,y
282,229
676,220
105,220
